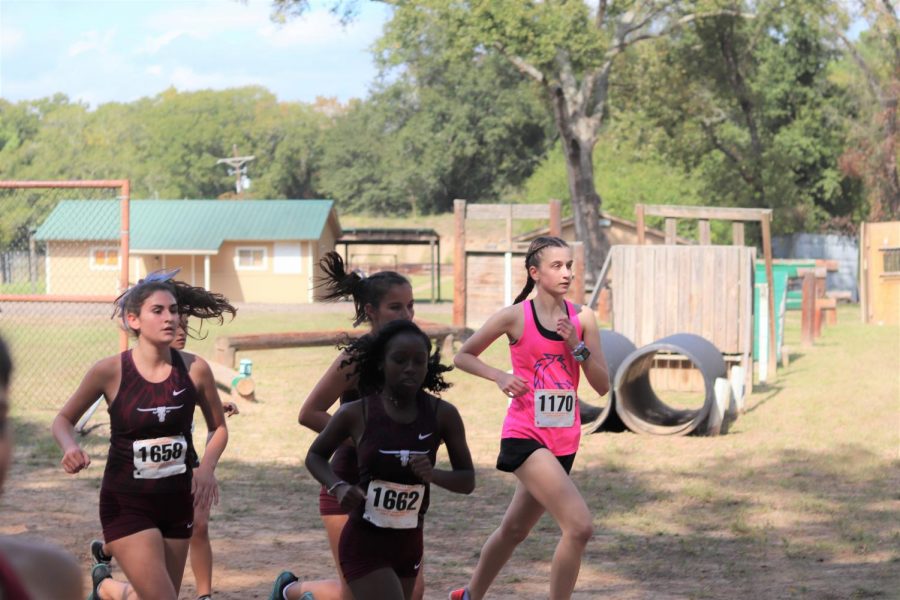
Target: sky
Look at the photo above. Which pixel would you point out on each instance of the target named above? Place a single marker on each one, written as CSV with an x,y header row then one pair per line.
x,y
99,51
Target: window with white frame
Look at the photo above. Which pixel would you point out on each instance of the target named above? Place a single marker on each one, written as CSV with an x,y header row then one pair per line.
x,y
104,259
250,258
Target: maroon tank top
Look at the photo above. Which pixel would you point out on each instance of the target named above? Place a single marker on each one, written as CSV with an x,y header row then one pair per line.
x,y
385,447
150,424
11,587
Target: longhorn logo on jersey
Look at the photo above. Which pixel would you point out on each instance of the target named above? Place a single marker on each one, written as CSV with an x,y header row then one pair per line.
x,y
403,455
161,411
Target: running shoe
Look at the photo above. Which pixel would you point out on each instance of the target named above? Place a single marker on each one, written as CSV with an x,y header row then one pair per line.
x,y
98,574
98,554
460,594
283,580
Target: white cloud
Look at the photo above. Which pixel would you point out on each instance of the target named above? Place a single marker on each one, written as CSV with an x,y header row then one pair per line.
x,y
10,40
92,40
154,44
155,70
185,78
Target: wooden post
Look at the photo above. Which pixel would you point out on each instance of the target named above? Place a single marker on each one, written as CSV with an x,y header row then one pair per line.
x,y
671,231
555,218
807,309
576,290
703,229
124,250
639,213
770,279
459,264
765,317
737,233
863,275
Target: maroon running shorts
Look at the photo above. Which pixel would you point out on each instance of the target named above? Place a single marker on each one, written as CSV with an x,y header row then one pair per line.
x,y
365,549
122,514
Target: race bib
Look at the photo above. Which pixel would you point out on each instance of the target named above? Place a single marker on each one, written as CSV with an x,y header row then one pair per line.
x,y
159,457
393,505
554,408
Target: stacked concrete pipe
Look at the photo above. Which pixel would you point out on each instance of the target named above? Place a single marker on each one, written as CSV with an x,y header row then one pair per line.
x,y
616,348
638,406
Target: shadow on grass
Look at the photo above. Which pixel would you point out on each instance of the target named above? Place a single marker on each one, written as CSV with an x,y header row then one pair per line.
x,y
800,524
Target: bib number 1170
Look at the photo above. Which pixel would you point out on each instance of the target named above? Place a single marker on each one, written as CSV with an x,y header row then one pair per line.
x,y
554,408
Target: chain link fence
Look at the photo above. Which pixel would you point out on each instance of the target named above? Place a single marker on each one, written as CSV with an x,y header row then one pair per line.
x,y
63,260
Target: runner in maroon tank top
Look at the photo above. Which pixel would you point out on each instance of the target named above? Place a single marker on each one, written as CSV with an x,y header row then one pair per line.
x,y
149,486
25,563
397,428
377,299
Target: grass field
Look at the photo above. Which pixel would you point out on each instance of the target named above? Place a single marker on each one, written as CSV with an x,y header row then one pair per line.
x,y
800,500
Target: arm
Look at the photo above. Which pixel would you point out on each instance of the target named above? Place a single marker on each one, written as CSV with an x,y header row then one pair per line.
x,y
98,381
204,486
505,321
346,422
595,369
461,479
327,391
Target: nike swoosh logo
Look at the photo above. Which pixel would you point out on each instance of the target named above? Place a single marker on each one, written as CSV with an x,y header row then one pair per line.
x,y
424,436
177,392
191,524
416,568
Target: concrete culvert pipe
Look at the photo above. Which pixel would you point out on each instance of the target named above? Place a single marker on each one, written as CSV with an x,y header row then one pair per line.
x,y
616,348
637,403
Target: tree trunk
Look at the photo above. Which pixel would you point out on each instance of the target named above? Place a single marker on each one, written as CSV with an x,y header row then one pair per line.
x,y
586,204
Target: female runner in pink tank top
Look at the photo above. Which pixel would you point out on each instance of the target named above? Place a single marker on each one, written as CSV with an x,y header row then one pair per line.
x,y
551,341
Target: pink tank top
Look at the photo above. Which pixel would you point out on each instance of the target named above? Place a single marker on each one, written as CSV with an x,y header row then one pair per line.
x,y
548,412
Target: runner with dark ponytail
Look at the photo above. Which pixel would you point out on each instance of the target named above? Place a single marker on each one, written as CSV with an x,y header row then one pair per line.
x,y
378,299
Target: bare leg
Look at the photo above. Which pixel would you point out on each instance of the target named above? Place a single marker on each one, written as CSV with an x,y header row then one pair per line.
x,y
523,512
418,592
550,485
153,565
327,589
382,584
201,552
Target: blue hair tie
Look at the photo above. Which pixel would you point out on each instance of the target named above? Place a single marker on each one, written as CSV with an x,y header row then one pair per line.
x,y
154,277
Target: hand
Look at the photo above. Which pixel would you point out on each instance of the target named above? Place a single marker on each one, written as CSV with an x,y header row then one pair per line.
x,y
512,385
421,466
230,409
74,460
204,488
566,330
349,496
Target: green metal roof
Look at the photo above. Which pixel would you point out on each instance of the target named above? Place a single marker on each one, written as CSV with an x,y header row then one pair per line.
x,y
188,225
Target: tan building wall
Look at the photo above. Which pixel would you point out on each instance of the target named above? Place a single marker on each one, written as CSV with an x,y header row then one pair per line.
x,y
880,247
69,268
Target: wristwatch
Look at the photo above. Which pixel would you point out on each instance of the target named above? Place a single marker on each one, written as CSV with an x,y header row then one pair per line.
x,y
581,352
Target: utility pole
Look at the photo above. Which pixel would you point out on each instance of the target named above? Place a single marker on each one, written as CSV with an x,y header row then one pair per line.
x,y
237,167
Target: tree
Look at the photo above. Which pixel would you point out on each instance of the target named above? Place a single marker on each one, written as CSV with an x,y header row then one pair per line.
x,y
872,155
747,106
434,130
569,51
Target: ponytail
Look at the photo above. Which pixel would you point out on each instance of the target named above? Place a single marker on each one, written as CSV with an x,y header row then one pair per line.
x,y
533,259
338,284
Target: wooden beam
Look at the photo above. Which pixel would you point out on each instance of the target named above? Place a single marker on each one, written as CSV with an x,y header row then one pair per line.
x,y
639,221
705,212
807,310
459,264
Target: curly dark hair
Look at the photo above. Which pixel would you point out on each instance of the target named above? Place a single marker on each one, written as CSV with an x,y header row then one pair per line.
x,y
338,284
367,353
